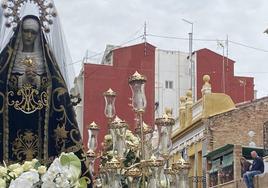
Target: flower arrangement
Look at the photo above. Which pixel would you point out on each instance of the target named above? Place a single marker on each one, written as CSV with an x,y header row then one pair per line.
x,y
65,171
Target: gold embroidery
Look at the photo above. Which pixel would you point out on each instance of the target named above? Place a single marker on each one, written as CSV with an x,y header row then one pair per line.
x,y
60,135
25,146
45,82
29,101
60,91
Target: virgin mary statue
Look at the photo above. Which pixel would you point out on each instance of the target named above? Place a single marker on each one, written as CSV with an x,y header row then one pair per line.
x,y
37,119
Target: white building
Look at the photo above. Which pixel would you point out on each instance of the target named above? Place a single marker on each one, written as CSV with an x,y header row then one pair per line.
x,y
172,80
78,90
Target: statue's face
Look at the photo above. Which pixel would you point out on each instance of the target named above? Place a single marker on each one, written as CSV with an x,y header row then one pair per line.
x,y
30,30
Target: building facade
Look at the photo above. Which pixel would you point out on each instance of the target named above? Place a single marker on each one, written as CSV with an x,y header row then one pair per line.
x,y
172,80
114,73
213,122
168,78
221,70
188,140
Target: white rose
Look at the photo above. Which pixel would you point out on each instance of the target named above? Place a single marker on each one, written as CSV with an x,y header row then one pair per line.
x,y
13,166
2,183
18,171
42,170
27,165
3,171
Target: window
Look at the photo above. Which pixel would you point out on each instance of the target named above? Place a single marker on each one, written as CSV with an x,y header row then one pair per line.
x,y
169,84
265,137
222,169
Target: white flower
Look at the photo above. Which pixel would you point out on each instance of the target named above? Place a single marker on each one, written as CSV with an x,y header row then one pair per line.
x,y
62,181
2,183
27,165
63,172
42,170
53,171
20,183
18,171
3,171
26,179
13,166
34,161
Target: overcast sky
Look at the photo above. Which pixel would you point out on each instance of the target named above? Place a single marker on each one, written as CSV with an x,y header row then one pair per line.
x,y
92,24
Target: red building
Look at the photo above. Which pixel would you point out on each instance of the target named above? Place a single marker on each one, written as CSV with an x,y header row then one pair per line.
x,y
98,78
221,71
121,63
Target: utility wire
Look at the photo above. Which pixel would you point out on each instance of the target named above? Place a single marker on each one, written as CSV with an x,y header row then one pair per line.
x,y
182,38
209,40
135,33
247,46
179,38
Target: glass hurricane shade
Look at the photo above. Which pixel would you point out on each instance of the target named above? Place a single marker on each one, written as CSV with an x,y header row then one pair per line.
x,y
109,97
138,95
93,132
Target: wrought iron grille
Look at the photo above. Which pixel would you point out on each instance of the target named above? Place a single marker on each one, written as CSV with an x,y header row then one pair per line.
x,y
197,181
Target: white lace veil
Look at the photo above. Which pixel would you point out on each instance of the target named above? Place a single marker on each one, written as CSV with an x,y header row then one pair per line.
x,y
55,39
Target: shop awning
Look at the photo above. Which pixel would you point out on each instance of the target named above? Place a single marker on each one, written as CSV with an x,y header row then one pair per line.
x,y
246,150
219,151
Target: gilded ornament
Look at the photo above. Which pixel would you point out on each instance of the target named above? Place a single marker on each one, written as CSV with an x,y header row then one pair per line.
x,y
29,99
25,146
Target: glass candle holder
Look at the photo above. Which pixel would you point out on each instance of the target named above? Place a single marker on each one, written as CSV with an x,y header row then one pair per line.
x,y
109,97
137,84
93,131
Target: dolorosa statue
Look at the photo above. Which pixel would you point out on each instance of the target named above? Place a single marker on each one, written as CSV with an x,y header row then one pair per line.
x,y
36,114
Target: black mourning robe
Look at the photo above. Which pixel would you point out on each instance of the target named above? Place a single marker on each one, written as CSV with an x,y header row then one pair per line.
x,y
47,130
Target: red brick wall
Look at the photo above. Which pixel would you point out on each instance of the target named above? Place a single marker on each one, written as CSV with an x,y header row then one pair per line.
x,y
233,127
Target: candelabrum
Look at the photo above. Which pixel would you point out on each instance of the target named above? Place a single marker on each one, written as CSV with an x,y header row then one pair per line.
x,y
130,159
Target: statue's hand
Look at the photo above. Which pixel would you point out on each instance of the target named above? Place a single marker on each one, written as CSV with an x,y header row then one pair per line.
x,y
30,76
